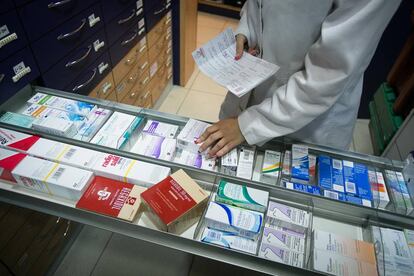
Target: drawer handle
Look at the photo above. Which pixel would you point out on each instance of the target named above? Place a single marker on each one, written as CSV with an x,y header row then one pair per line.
x,y
144,65
21,74
58,4
125,20
106,87
2,77
132,79
159,11
167,37
143,48
141,31
144,82
72,63
131,61
125,42
8,39
77,30
168,51
86,82
168,21
169,76
146,95
132,95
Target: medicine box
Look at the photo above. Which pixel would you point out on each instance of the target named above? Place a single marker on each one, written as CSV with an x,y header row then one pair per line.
x,y
189,134
175,203
196,160
302,188
239,221
229,162
404,192
379,190
55,126
281,255
242,196
9,159
330,174
92,124
271,164
246,162
229,240
283,239
395,191
129,170
17,119
113,198
154,146
52,178
409,236
287,163
300,163
15,140
160,129
286,216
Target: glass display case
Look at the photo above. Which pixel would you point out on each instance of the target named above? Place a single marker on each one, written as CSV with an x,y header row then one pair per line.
x,y
326,212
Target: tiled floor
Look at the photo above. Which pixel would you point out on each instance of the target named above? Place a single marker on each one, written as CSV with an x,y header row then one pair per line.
x,y
99,252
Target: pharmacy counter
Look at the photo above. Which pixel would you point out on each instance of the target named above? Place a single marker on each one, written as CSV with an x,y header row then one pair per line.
x,y
322,214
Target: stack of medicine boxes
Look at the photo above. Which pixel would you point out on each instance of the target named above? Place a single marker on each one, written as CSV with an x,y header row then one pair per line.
x,y
234,218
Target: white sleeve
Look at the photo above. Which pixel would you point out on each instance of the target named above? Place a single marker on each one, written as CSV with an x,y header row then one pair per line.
x,y
334,64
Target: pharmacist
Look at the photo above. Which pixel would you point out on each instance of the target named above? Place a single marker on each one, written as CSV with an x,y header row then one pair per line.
x,y
323,48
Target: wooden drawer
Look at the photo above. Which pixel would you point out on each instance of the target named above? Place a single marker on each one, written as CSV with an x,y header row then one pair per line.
x,y
131,85
105,89
160,47
155,34
163,57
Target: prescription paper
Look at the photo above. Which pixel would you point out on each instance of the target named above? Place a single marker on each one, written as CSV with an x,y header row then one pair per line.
x,y
216,60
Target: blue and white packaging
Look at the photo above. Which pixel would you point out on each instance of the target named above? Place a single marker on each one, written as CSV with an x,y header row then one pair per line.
x,y
229,240
337,175
300,163
17,119
357,200
405,193
349,177
395,191
304,188
334,195
325,172
239,221
362,183
92,124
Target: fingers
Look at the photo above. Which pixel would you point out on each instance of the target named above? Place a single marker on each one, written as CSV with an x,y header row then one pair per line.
x,y
212,139
210,130
253,51
228,147
218,146
240,41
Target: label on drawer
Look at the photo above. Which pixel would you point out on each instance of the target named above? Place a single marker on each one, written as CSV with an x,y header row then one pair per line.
x,y
139,4
153,69
98,45
93,20
102,67
19,67
4,31
141,23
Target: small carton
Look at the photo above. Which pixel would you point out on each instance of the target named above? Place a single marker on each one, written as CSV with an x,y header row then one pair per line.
x,y
349,177
15,140
242,196
281,255
363,251
334,195
287,163
271,164
8,161
189,134
92,124
300,163
362,182
154,146
283,239
404,192
357,200
327,179
17,119
246,162
338,176
175,203
52,178
229,162
196,160
312,168
112,198
409,236
229,240
285,216
379,190
55,126
160,129
238,221
129,170
395,191
336,264
302,188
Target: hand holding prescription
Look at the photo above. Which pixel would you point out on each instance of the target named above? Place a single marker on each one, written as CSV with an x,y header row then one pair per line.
x,y
217,59
222,136
240,41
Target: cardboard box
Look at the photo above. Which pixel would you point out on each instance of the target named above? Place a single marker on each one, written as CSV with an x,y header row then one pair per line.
x,y
229,162
289,217
302,188
287,163
337,175
281,255
239,221
330,174
362,182
8,161
246,162
52,178
229,240
117,130
360,250
379,190
16,140
328,262
300,163
155,146
283,239
409,236
112,198
242,196
92,124
55,126
192,130
196,160
160,129
312,169
175,203
17,119
404,192
395,192
129,170
271,164
349,177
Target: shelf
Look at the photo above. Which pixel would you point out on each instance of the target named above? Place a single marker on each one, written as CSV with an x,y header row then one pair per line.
x,y
219,5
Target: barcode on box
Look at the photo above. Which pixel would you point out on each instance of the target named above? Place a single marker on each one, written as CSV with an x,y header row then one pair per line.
x,y
332,195
350,187
58,173
70,153
214,235
337,164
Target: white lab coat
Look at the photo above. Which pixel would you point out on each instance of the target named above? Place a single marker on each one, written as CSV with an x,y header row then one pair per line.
x,y
323,48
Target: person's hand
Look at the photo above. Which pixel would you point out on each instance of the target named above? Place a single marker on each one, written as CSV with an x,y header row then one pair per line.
x,y
241,40
222,136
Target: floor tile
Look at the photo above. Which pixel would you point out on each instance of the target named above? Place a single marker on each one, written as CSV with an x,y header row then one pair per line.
x,y
362,138
205,84
86,250
174,100
127,256
205,34
203,106
211,20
